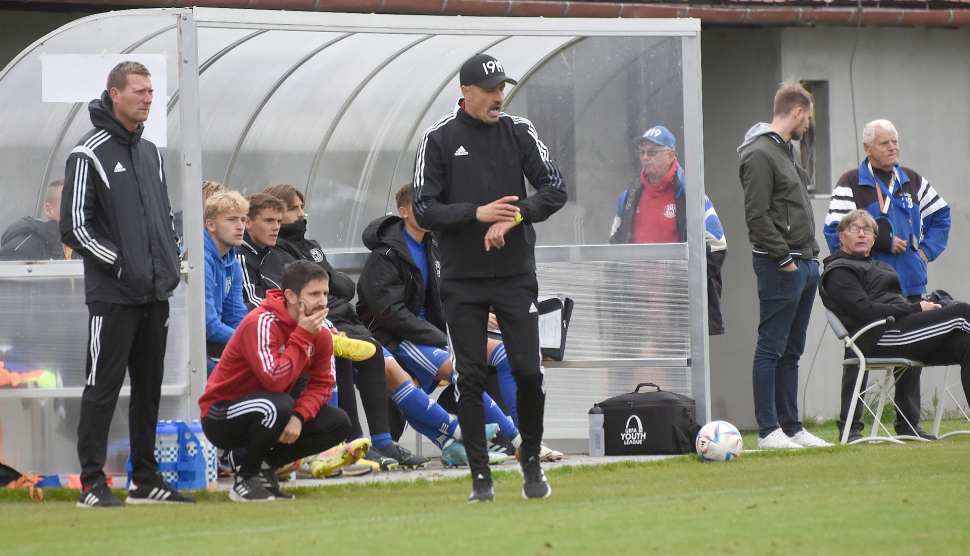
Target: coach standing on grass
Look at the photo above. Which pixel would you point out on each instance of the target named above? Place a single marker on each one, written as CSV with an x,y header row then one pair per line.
x,y
116,214
469,187
781,229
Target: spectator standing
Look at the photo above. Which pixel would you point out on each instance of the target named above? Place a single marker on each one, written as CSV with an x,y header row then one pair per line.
x,y
915,225
131,267
781,229
469,189
654,210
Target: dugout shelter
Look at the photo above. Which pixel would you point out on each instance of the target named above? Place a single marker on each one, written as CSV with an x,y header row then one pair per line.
x,y
335,105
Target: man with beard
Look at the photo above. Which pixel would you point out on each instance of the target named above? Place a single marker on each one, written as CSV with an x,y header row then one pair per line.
x,y
781,229
247,401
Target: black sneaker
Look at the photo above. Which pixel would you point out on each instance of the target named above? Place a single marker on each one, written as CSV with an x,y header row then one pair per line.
x,y
534,483
502,445
482,490
156,491
249,489
916,431
267,477
378,460
98,496
403,456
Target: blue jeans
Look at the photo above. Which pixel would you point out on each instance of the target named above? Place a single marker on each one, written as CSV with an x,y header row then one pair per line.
x,y
786,305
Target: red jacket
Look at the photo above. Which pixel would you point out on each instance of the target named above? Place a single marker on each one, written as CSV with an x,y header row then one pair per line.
x,y
267,353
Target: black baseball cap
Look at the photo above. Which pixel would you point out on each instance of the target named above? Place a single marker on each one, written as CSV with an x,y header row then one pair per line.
x,y
485,71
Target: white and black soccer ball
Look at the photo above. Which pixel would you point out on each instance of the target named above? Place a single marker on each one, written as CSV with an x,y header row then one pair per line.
x,y
718,441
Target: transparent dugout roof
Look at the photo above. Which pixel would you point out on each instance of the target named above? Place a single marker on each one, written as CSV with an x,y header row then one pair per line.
x,y
336,107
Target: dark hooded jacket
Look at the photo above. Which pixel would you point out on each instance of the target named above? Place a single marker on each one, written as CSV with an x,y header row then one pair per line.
x,y
262,270
29,239
860,290
391,291
292,245
119,218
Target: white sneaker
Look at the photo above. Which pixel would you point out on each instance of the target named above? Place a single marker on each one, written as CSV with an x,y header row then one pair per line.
x,y
777,440
806,439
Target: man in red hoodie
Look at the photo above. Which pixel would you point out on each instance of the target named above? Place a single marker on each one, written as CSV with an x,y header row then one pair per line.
x,y
247,401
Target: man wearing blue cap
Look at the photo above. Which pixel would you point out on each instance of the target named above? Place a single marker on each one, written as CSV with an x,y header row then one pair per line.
x,y
654,210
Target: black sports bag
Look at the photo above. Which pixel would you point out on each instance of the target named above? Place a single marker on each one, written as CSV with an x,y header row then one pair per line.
x,y
649,423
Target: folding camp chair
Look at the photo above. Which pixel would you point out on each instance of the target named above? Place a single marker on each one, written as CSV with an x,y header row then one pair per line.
x,y
887,364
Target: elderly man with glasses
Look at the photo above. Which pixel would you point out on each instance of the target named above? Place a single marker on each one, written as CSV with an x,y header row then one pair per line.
x,y
914,222
653,210
860,289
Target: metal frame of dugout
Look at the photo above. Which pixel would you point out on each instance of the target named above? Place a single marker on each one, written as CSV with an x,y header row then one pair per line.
x,y
640,311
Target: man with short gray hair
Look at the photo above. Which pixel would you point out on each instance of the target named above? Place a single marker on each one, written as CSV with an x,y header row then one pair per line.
x,y
914,224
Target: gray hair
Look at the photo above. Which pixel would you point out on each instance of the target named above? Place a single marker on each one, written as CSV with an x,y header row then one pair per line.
x,y
858,214
869,133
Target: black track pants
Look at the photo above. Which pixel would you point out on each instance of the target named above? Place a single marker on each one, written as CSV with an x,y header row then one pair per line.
x,y
371,382
466,304
121,337
256,421
937,337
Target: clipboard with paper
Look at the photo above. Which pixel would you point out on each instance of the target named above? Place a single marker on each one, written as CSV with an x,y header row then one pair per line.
x,y
554,314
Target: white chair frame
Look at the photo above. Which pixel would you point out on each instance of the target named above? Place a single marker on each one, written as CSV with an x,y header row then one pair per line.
x,y
888,365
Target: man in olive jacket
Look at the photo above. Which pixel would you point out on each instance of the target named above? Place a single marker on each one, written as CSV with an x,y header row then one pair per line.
x,y
781,229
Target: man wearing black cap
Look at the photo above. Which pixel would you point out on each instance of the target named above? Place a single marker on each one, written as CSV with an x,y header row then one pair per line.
x,y
469,187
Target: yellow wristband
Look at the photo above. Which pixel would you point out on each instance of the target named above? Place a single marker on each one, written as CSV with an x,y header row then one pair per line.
x,y
518,218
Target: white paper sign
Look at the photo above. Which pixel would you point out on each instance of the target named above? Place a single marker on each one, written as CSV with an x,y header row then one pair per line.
x,y
550,327
82,77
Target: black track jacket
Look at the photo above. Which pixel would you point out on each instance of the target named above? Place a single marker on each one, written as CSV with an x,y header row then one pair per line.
x,y
463,163
293,245
116,213
391,291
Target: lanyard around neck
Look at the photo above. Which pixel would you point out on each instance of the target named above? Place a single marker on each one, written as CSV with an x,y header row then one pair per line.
x,y
883,204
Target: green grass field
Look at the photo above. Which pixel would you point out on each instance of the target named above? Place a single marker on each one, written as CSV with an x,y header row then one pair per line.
x,y
871,499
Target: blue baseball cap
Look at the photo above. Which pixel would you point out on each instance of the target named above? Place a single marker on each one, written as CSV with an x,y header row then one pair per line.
x,y
658,134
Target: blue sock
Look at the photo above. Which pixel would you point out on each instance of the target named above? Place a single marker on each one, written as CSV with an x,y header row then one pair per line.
x,y
506,382
494,414
425,415
381,439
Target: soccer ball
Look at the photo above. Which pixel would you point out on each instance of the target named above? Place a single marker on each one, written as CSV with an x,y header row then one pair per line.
x,y
718,441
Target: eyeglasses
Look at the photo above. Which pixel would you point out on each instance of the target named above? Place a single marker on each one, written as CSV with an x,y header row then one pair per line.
x,y
651,152
867,230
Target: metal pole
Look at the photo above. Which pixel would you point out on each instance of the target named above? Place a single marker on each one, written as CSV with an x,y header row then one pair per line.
x,y
700,377
192,200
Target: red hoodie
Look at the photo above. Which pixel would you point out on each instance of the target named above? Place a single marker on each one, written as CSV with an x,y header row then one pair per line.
x,y
267,353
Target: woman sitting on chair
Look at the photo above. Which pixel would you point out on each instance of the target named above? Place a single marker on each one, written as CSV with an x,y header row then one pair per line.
x,y
860,290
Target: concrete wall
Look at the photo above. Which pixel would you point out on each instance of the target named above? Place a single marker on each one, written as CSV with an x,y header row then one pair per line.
x,y
740,69
919,79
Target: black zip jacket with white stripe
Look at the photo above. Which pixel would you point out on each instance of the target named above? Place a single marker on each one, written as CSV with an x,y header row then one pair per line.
x,y
262,270
860,290
116,213
463,163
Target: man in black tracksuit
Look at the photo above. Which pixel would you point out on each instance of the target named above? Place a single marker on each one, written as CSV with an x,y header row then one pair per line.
x,y
119,219
469,189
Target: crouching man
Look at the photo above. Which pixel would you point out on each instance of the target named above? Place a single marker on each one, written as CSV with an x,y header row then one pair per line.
x,y
247,402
